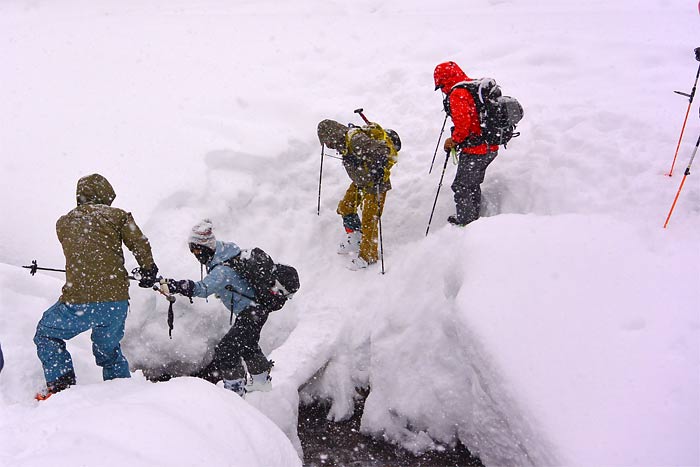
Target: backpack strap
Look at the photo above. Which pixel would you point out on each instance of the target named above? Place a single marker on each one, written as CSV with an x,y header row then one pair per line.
x,y
472,140
236,263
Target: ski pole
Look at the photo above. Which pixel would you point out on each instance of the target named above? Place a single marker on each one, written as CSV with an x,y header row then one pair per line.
x,y
136,276
447,157
320,176
690,103
359,111
687,172
162,288
438,144
381,242
33,268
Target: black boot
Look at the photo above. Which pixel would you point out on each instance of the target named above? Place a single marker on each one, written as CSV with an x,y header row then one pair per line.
x,y
63,382
57,385
454,221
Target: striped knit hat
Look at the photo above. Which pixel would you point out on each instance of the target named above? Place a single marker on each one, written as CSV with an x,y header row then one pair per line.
x,y
202,234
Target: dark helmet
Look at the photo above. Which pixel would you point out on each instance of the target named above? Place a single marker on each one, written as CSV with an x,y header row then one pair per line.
x,y
395,140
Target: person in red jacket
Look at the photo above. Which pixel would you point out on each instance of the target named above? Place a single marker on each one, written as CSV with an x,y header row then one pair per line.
x,y
474,155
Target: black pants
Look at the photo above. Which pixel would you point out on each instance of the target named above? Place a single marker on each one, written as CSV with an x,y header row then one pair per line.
x,y
471,170
240,342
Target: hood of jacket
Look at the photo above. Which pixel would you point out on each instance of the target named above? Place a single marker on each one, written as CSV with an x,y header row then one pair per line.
x,y
224,251
332,134
94,189
448,74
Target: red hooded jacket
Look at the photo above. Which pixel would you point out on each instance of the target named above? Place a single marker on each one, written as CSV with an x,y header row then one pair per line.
x,y
465,116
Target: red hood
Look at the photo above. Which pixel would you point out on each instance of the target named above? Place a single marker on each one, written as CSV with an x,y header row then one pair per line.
x,y
448,74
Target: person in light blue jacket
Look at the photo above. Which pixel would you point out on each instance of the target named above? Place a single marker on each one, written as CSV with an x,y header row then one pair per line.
x,y
241,342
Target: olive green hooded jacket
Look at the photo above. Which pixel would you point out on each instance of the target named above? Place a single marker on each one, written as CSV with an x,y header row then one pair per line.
x,y
91,236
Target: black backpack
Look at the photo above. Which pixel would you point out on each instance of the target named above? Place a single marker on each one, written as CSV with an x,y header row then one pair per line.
x,y
498,114
273,283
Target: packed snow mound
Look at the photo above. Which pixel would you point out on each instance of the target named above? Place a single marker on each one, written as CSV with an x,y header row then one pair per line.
x,y
186,421
528,338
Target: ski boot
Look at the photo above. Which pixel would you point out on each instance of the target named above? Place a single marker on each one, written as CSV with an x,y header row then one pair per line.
x,y
351,244
58,385
236,385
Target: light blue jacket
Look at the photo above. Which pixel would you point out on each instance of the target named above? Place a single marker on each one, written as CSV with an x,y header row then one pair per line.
x,y
224,282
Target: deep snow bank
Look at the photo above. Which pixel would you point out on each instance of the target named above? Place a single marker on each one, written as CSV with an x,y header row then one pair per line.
x,y
182,422
185,421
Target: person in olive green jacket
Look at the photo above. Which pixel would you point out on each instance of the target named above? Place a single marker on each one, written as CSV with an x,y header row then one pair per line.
x,y
96,293
368,154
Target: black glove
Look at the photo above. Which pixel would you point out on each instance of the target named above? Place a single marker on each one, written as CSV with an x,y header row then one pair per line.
x,y
183,287
148,276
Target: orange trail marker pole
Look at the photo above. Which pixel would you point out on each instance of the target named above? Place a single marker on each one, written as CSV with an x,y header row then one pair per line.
x,y
687,172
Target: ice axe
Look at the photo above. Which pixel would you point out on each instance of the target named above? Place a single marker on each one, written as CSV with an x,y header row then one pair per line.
x,y
359,111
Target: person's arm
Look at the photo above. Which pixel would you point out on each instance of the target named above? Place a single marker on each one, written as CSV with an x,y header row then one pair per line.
x,y
214,282
139,245
136,242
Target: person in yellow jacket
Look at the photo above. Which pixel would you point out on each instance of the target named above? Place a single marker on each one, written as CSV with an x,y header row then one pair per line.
x,y
368,154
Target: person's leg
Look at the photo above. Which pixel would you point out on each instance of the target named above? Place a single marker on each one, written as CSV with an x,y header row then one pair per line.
x,y
256,361
58,324
241,340
347,208
470,204
348,204
471,170
108,321
372,207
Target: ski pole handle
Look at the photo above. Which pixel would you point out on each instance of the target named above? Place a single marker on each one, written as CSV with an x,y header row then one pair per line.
x,y
162,287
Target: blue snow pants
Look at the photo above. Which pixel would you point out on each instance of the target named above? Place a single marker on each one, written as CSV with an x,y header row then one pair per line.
x,y
64,321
